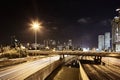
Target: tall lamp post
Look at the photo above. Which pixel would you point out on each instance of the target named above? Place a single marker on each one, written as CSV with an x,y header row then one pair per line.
x,y
36,26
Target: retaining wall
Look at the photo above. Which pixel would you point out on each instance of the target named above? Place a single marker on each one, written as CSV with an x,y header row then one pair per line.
x,y
82,74
43,73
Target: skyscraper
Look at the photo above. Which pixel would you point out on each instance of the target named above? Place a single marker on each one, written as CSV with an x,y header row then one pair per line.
x,y
107,40
116,32
70,44
101,42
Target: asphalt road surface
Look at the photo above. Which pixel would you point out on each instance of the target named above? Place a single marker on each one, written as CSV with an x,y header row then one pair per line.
x,y
22,71
109,71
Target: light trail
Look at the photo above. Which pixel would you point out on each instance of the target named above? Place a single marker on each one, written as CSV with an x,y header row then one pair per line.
x,y
22,71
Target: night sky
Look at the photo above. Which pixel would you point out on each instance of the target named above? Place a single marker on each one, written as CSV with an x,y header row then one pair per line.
x,y
79,20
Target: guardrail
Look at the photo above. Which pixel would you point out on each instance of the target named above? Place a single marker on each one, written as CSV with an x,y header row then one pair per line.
x,y
82,74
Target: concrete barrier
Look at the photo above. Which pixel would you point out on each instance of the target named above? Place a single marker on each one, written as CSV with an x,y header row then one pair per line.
x,y
82,74
43,73
46,71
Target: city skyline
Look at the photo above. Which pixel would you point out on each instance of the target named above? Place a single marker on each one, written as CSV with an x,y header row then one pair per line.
x,y
81,21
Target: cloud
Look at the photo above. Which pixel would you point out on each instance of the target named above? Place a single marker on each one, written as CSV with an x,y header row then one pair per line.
x,y
84,20
105,22
54,28
94,21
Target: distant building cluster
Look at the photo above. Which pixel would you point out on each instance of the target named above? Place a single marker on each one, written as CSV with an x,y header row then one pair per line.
x,y
52,45
104,41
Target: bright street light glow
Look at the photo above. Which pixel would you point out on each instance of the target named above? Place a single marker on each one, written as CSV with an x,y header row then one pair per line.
x,y
35,25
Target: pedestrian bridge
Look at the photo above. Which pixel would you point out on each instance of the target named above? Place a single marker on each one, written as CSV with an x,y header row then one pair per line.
x,y
79,53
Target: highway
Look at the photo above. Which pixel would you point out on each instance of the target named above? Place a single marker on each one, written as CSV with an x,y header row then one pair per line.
x,y
109,71
111,61
22,71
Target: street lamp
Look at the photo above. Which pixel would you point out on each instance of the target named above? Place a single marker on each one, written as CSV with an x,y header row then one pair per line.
x,y
36,25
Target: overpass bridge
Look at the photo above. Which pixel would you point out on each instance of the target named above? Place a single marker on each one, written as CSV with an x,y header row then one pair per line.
x,y
79,53
97,55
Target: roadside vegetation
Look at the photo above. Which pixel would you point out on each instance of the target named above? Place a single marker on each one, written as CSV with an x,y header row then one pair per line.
x,y
15,56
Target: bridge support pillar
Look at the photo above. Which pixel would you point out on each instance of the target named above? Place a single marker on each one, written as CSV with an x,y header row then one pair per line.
x,y
82,57
97,59
62,56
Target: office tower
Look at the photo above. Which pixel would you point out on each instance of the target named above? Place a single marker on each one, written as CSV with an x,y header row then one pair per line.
x,y
116,32
101,42
107,40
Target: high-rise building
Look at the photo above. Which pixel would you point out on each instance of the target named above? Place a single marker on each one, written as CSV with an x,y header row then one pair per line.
x,y
116,32
101,42
107,40
70,44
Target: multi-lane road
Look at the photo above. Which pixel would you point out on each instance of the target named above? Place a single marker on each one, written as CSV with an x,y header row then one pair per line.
x,y
109,71
20,72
